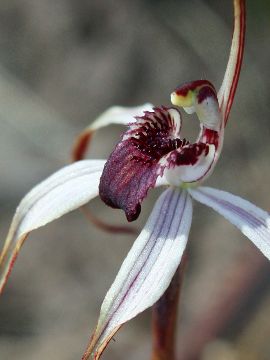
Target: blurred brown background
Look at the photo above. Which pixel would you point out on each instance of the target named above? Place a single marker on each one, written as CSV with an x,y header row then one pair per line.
x,y
61,64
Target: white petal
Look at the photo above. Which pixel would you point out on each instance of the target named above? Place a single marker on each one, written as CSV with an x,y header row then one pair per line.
x,y
64,191
229,84
161,181
119,115
114,115
148,268
248,218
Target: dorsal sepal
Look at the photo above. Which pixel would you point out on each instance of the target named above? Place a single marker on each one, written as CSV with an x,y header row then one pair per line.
x,y
199,96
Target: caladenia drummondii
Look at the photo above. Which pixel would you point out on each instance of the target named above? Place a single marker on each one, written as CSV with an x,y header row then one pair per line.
x,y
152,153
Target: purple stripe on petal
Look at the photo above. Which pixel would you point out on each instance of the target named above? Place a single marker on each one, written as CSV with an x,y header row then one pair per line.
x,y
149,267
251,220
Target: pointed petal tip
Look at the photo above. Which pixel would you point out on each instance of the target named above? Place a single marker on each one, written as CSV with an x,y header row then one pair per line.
x,y
133,213
148,269
62,192
91,353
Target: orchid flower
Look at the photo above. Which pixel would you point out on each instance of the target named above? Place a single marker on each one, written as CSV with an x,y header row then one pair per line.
x,y
151,154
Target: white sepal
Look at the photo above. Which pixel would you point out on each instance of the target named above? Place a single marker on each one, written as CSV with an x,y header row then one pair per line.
x,y
252,221
119,115
229,84
148,268
114,115
64,191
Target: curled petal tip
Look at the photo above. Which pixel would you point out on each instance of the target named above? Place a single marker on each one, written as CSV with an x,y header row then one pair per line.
x,y
81,145
114,115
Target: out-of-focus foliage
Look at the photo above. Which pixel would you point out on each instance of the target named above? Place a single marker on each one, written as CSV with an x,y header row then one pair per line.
x,y
61,64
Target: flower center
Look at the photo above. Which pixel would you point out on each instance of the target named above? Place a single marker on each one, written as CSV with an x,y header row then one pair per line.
x,y
155,134
156,144
199,96
152,147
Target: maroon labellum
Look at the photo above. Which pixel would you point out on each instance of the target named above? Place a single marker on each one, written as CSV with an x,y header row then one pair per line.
x,y
152,147
133,166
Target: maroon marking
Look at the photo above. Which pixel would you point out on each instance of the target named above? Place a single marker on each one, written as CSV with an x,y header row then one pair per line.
x,y
188,155
206,92
239,59
192,85
126,178
80,146
134,165
10,267
210,137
